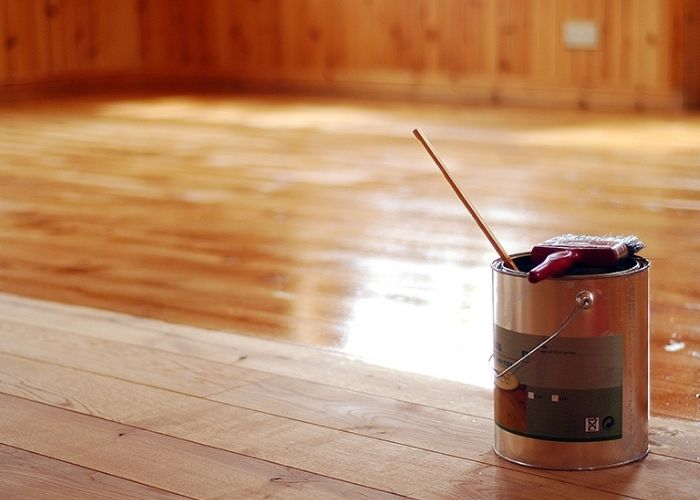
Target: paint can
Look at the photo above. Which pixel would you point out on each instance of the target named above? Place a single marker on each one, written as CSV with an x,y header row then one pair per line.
x,y
571,362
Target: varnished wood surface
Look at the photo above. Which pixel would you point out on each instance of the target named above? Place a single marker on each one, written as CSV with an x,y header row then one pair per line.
x,y
95,404
323,222
492,51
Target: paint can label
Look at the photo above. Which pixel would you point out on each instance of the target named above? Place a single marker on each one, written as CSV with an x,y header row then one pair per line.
x,y
569,390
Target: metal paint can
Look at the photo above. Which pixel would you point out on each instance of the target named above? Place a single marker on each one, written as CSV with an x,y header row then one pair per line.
x,y
571,356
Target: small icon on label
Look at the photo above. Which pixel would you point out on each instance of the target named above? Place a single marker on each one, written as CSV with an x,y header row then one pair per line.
x,y
592,424
608,422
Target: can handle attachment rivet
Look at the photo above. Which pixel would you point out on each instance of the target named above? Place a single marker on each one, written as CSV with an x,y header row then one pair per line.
x,y
584,299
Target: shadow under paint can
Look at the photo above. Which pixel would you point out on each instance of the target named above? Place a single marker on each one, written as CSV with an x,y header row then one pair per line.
x,y
571,356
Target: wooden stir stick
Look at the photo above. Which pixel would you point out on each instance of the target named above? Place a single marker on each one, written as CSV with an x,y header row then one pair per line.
x,y
477,218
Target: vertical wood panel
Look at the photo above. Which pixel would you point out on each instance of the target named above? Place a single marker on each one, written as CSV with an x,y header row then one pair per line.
x,y
27,40
115,44
170,35
70,36
689,23
648,38
482,46
247,38
514,42
305,30
4,43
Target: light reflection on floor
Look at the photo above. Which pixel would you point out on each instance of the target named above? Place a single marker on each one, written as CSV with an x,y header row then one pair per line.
x,y
448,335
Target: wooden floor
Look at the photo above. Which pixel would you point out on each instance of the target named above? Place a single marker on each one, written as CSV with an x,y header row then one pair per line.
x,y
95,404
324,223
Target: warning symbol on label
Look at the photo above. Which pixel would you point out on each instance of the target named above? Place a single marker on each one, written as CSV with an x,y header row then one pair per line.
x,y
592,424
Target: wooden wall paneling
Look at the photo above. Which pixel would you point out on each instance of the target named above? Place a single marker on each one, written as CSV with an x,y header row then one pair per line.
x,y
151,34
347,40
690,43
501,48
611,41
666,48
596,58
491,46
69,36
633,17
677,48
305,31
562,57
231,48
4,42
462,38
187,37
384,48
27,40
171,35
409,42
446,44
452,39
196,36
543,36
580,58
340,35
381,38
354,37
267,41
379,29
225,56
595,61
255,46
181,25
115,35
364,40
514,37
220,40
431,18
219,37
648,59
625,58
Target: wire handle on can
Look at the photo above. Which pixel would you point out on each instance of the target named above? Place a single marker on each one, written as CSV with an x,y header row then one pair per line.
x,y
584,300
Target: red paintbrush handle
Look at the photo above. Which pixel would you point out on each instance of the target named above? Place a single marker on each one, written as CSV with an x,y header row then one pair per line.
x,y
555,263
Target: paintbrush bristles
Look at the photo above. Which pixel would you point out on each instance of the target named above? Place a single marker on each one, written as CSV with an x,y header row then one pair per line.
x,y
633,243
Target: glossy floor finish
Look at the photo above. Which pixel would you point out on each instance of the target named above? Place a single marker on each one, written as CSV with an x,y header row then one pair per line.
x,y
324,222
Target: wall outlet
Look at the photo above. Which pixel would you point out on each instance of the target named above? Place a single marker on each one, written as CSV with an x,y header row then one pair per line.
x,y
579,34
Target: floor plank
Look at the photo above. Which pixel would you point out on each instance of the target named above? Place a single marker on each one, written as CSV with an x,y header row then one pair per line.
x,y
322,222
278,358
175,465
28,475
323,450
160,369
314,426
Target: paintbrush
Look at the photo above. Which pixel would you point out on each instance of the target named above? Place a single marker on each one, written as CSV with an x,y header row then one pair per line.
x,y
465,201
559,254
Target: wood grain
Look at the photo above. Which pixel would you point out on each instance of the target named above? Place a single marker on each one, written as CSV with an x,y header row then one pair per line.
x,y
322,222
325,440
160,369
28,475
163,462
497,51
